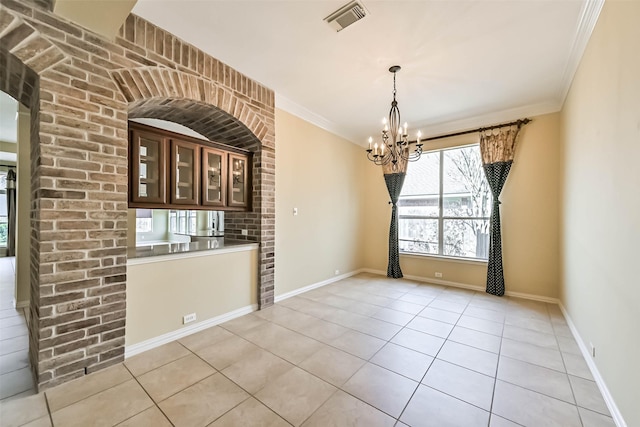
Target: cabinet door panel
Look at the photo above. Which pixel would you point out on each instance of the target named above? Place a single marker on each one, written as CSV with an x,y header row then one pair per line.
x,y
214,177
149,168
238,181
185,167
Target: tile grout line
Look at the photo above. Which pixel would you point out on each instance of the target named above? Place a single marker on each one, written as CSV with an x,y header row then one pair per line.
x,y
150,398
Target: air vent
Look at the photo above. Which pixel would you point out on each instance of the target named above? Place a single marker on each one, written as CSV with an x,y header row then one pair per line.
x,y
346,15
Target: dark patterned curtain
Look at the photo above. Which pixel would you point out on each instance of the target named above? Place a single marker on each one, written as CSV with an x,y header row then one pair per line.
x,y
497,147
11,212
394,183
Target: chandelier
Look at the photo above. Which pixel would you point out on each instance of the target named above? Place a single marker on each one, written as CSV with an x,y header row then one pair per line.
x,y
395,149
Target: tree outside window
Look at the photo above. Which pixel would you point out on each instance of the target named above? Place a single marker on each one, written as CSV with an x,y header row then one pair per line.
x,y
445,205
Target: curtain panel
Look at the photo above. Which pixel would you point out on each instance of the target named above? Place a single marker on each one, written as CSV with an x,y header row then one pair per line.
x,y
11,212
497,148
394,183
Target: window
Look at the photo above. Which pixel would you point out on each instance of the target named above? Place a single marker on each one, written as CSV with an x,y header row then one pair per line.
x,y
182,222
144,220
445,205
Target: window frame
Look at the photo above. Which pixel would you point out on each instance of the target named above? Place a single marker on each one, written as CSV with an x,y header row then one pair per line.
x,y
441,218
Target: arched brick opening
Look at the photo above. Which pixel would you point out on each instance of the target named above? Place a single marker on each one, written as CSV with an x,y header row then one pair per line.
x,y
218,125
206,119
22,83
222,116
81,89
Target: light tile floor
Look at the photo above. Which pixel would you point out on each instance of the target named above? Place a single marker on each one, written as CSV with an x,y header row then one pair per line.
x,y
365,351
15,374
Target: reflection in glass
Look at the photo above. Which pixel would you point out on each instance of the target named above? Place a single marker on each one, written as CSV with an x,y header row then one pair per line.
x,y
184,173
238,176
149,168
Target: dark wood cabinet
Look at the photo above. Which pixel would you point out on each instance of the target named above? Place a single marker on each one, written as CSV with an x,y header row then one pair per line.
x,y
214,177
169,170
148,170
238,181
185,172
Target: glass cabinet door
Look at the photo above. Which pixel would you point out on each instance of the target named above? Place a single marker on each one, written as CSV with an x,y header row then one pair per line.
x,y
148,177
214,177
238,177
185,165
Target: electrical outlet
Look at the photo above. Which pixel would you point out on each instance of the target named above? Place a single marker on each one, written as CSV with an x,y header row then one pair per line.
x,y
336,272
438,274
188,318
295,211
245,232
593,349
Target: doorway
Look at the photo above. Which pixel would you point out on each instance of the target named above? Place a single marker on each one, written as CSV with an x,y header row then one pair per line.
x,y
15,371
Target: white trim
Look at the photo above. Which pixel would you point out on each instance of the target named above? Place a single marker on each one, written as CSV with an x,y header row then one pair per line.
x,y
611,404
298,291
291,107
21,304
468,286
149,344
445,126
445,258
183,255
588,19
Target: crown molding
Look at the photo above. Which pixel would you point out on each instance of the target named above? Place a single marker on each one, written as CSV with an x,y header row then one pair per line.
x,y
587,22
291,107
489,119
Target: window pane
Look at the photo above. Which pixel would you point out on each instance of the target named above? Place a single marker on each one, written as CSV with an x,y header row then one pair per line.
x,y
421,187
144,225
3,203
173,222
192,221
418,235
466,238
465,189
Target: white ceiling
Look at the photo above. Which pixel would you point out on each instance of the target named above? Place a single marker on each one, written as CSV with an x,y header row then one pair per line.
x,y
464,63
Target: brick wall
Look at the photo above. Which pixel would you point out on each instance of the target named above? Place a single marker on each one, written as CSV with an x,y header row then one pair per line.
x,y
81,90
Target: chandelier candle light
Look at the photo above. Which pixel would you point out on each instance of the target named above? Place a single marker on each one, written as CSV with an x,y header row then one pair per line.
x,y
396,153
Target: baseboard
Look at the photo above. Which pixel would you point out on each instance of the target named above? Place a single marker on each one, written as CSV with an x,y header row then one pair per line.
x,y
611,404
466,286
298,291
149,344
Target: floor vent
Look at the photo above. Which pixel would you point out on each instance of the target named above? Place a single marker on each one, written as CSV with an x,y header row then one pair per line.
x,y
346,15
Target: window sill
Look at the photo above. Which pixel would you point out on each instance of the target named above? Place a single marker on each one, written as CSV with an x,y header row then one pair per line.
x,y
445,258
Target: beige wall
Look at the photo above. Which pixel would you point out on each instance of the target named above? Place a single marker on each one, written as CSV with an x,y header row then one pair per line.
x,y
23,221
160,293
601,209
529,213
8,147
318,173
103,17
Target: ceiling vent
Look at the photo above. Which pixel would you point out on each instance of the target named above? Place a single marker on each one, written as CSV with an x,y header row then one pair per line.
x,y
346,15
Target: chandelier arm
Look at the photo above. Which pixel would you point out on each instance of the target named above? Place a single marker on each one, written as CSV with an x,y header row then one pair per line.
x,y
397,150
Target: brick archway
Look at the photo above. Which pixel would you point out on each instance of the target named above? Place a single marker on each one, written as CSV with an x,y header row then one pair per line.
x,y
81,89
206,119
221,115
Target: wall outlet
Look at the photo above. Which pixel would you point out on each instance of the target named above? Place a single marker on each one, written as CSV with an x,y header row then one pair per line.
x,y
295,211
188,318
593,349
438,274
244,232
335,273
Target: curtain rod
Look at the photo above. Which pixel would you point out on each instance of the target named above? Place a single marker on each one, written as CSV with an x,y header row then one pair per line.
x,y
482,129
